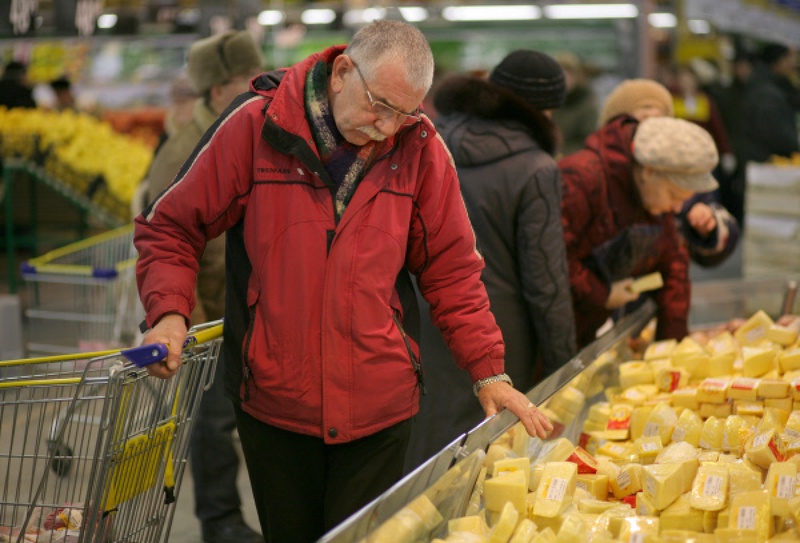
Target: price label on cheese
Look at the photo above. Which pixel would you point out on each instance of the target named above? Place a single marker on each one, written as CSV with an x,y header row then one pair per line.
x,y
651,429
650,486
744,383
791,432
623,479
784,487
650,447
746,518
756,334
760,440
636,537
712,486
582,485
678,434
557,489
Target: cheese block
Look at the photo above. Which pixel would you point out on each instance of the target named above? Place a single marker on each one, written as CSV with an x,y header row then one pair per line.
x,y
613,518
409,524
782,335
622,451
585,462
773,419
573,530
664,483
789,359
595,506
792,426
476,498
721,364
773,388
685,397
731,434
475,524
524,532
522,443
711,436
669,379
647,448
644,283
680,515
705,457
713,390
734,535
765,448
505,525
717,410
645,506
599,412
556,450
547,535
638,528
751,511
781,484
749,409
595,484
555,490
509,486
783,404
660,422
743,388
495,452
660,349
536,476
710,488
569,401
635,373
757,361
754,330
691,356
742,479
721,343
628,480
512,464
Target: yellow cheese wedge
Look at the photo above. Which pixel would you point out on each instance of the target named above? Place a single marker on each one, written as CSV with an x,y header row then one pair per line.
x,y
685,397
773,419
409,524
660,422
743,388
573,530
495,452
749,409
782,404
682,516
524,532
651,281
754,330
556,450
547,535
721,364
619,421
512,464
664,483
638,528
757,361
595,506
669,379
628,481
616,450
717,410
595,484
731,434
711,436
691,356
710,488
505,525
765,448
773,388
750,511
781,483
645,506
647,448
660,349
782,335
536,476
792,426
521,442
475,524
713,390
510,486
635,373
599,412
555,491
734,535
789,359
742,479
721,343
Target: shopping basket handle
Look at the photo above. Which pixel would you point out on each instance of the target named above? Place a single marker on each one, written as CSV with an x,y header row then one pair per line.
x,y
144,355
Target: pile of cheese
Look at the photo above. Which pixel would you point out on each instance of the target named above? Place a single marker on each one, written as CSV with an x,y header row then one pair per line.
x,y
698,443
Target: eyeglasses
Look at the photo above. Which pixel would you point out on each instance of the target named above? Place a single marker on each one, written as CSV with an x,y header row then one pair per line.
x,y
384,111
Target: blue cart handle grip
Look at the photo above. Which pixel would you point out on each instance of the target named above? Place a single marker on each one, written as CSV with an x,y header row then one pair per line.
x,y
145,355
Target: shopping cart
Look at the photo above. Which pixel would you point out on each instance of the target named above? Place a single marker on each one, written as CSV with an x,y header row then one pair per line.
x,y
82,297
93,450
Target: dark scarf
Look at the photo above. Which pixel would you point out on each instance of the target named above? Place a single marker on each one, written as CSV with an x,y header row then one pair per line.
x,y
344,161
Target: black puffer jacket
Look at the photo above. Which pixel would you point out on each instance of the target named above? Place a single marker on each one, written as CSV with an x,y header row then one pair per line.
x,y
512,188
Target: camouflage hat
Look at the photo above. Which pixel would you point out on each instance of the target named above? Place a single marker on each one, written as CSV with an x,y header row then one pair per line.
x,y
681,150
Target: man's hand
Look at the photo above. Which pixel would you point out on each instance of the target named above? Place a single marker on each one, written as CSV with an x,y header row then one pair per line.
x,y
171,331
701,218
620,294
495,397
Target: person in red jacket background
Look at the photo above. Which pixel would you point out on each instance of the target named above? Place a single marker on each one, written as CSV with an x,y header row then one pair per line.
x,y
620,194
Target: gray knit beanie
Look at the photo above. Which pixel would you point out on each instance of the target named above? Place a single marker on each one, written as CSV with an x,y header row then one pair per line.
x,y
534,76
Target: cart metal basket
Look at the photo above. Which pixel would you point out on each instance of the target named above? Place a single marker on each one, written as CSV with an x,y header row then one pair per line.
x,y
94,450
83,297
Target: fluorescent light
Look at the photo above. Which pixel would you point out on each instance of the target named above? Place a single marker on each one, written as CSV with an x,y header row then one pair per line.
x,y
662,20
698,26
355,17
107,20
491,13
318,16
413,14
271,17
591,11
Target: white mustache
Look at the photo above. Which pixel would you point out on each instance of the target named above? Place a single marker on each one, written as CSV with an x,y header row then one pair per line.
x,y
372,133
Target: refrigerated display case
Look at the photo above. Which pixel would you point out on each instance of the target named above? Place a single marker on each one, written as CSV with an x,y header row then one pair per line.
x,y
447,480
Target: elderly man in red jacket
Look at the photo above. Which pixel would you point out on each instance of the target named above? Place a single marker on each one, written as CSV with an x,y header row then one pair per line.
x,y
621,192
331,186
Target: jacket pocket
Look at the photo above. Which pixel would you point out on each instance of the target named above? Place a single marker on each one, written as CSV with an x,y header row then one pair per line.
x,y
412,356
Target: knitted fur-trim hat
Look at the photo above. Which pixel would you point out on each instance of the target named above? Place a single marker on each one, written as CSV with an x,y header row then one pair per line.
x,y
632,94
217,59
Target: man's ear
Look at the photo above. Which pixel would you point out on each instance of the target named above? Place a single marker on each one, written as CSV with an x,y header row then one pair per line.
x,y
341,65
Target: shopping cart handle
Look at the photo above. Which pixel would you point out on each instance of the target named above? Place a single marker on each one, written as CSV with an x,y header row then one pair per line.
x,y
144,355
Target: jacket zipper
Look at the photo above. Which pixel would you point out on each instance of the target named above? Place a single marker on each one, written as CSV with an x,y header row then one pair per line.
x,y
417,365
247,372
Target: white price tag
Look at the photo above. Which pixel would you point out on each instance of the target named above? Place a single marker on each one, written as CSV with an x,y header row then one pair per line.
x,y
712,486
785,487
636,537
623,479
678,434
649,447
557,489
746,518
760,440
582,485
651,429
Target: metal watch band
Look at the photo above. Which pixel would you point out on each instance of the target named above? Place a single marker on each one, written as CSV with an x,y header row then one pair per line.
x,y
479,384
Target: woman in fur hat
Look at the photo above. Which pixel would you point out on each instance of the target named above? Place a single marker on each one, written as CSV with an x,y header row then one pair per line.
x,y
503,139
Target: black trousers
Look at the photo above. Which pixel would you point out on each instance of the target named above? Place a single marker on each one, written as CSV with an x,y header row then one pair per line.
x,y
303,487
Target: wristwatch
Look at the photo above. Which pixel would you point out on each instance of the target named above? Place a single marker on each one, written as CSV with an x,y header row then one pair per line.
x,y
479,384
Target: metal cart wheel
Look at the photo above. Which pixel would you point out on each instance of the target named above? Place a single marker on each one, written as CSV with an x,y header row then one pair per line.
x,y
62,459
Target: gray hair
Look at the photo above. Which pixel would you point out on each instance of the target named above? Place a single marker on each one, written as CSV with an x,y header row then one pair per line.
x,y
396,43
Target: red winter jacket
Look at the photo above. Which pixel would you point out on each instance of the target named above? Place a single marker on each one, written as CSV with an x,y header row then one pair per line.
x,y
609,235
313,337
